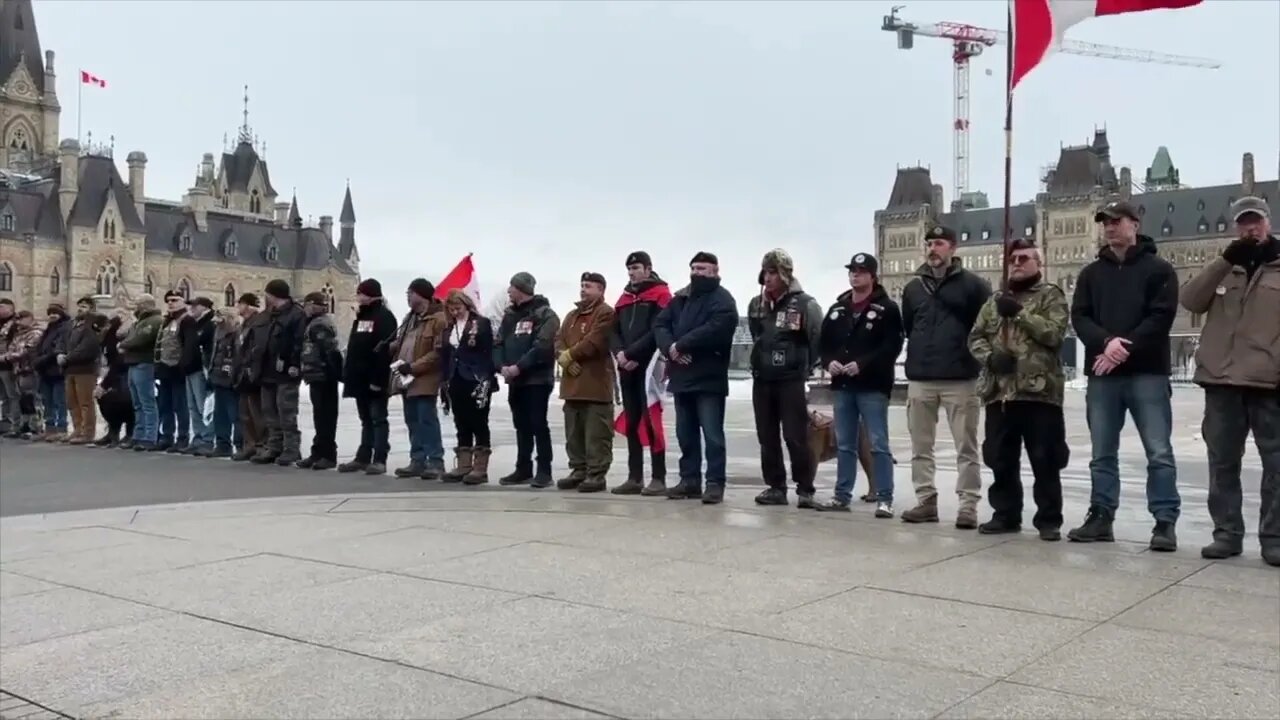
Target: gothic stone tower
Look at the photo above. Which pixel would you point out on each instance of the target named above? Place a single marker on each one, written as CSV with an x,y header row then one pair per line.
x,y
29,106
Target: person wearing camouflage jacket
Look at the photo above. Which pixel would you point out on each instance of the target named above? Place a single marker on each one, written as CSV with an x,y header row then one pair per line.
x,y
24,339
1017,340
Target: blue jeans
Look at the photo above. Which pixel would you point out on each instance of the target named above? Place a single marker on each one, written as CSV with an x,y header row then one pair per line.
x,y
425,444
1148,398
226,419
699,421
53,393
852,409
197,396
171,399
142,390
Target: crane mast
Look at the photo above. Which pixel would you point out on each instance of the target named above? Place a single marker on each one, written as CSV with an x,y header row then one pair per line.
x,y
968,42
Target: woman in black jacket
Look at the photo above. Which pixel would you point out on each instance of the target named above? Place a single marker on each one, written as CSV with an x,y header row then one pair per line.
x,y
114,402
469,376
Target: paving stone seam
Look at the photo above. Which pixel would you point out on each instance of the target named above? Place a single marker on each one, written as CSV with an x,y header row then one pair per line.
x,y
187,566
1096,698
24,708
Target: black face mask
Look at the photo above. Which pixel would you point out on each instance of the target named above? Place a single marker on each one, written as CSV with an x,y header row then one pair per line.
x,y
699,284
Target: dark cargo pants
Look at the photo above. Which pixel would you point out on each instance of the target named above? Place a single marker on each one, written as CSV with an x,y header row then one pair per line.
x,y
1230,413
1039,427
783,403
280,415
588,431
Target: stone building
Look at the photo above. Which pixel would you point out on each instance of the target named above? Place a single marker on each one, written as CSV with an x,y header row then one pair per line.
x,y
1189,224
71,225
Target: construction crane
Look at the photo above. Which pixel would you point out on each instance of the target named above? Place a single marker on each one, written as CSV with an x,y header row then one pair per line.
x,y
968,42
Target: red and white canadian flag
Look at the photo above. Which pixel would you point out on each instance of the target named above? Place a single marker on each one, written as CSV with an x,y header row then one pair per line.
x,y
651,432
461,277
1039,25
88,78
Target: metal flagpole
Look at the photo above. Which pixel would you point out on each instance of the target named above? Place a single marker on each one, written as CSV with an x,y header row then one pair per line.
x,y
1008,153
79,105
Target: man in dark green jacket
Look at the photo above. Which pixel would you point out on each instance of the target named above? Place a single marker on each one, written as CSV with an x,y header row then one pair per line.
x,y
524,353
137,351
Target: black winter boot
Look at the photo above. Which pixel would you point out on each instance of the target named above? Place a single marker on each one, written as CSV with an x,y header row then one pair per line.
x,y
1096,527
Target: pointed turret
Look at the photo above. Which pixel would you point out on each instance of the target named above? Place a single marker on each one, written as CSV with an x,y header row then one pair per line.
x,y
20,43
348,216
347,236
295,218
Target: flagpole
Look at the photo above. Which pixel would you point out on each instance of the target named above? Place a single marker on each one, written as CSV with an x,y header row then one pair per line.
x,y
1008,152
79,104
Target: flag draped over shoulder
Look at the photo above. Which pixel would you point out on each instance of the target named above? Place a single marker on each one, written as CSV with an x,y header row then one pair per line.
x,y
1039,25
461,277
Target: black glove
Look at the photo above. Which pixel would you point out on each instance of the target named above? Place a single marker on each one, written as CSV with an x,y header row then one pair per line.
x,y
1240,251
1007,306
1002,363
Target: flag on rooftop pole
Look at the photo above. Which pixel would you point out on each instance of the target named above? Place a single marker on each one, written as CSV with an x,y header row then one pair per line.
x,y
1039,25
461,277
88,78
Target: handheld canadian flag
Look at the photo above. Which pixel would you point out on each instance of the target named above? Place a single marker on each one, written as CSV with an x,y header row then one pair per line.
x,y
461,277
87,78
651,432
1039,25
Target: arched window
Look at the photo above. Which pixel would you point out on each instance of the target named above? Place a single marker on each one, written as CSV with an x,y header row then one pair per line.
x,y
6,278
184,241
55,282
149,286
7,221
255,202
108,277
229,295
330,300
184,289
18,139
271,249
109,229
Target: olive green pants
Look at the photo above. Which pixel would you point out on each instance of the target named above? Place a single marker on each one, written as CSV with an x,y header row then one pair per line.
x,y
588,430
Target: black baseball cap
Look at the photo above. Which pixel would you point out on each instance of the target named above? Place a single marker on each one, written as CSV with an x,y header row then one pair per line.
x,y
864,261
1116,210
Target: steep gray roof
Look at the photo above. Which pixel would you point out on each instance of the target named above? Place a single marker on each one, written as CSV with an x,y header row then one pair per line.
x,y
100,181
978,227
237,168
296,248
912,187
1079,170
1192,212
19,40
294,219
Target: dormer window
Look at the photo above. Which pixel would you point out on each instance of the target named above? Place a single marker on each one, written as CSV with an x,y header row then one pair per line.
x,y
1200,205
255,202
964,236
1169,209
271,249
1166,229
184,241
986,234
7,221
230,246
1222,226
1028,231
1203,227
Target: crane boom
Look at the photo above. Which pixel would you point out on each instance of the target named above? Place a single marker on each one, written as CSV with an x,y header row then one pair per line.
x,y
968,42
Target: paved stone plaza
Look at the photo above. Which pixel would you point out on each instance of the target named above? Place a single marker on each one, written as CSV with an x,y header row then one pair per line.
x,y
401,599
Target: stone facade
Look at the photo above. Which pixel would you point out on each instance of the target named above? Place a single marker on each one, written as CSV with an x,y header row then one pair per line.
x,y
71,225
1189,224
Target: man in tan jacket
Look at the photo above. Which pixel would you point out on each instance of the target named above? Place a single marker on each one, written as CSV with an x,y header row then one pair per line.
x,y
415,370
1238,365
587,387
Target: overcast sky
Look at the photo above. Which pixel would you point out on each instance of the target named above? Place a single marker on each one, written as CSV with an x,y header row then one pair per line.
x,y
556,137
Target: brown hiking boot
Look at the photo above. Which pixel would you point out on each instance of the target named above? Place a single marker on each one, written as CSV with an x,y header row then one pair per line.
x,y
631,487
925,511
462,459
570,482
655,488
479,472
966,519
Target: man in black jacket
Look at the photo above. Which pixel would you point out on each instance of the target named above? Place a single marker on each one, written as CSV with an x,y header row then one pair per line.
x,y
633,350
197,347
786,324
1124,305
171,396
321,368
365,376
939,308
246,375
524,353
695,333
861,340
53,387
281,363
